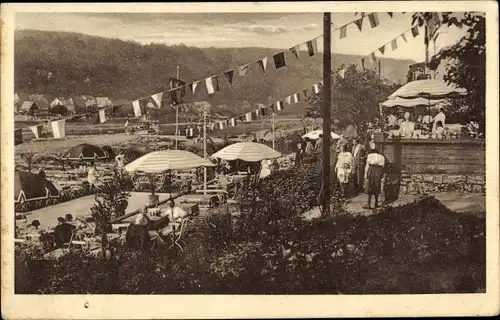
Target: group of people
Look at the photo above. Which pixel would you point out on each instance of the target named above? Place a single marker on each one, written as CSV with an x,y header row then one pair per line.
x,y
407,128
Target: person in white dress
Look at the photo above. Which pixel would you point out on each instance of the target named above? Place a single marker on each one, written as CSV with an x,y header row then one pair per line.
x,y
120,161
440,117
406,127
92,175
265,168
344,168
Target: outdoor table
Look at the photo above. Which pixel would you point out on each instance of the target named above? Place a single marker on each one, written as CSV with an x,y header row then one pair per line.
x,y
199,199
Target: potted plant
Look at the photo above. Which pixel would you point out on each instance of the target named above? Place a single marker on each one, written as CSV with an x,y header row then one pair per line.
x,y
153,198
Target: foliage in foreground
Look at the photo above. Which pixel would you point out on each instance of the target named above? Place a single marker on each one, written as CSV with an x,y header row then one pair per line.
x,y
417,248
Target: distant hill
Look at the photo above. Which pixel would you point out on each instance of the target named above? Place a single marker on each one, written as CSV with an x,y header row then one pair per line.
x,y
69,64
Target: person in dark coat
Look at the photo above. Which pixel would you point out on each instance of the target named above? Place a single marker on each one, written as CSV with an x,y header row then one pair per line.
x,y
374,172
359,154
137,236
63,232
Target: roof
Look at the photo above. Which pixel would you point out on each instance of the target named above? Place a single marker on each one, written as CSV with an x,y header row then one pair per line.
x,y
103,101
27,105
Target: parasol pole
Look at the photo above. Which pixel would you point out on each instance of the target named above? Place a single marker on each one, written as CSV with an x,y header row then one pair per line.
x,y
327,92
273,129
204,151
176,114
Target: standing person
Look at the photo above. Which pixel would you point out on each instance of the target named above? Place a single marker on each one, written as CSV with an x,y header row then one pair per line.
x,y
374,172
340,144
440,117
359,155
406,127
265,168
92,175
120,160
300,151
318,148
309,146
344,168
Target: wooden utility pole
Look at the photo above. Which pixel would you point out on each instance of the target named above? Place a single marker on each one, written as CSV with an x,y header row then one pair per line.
x,y
176,113
327,92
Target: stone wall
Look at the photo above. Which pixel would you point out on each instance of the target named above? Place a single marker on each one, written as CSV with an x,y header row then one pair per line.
x,y
412,183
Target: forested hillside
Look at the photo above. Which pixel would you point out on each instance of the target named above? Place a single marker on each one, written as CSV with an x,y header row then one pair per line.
x,y
71,64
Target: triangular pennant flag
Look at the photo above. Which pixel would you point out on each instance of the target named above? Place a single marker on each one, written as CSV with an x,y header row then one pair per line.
x,y
229,76
263,63
193,86
373,57
394,44
232,122
157,99
59,128
37,130
295,50
212,84
414,31
280,105
342,73
248,116
363,63
312,46
126,124
382,49
404,36
244,69
343,32
359,23
373,17
137,108
279,60
296,97
288,99
316,88
390,14
102,116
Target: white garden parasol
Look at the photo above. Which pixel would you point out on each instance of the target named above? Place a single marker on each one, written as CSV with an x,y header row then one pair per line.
x,y
161,161
246,151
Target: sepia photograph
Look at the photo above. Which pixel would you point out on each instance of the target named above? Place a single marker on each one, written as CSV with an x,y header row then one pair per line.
x,y
270,153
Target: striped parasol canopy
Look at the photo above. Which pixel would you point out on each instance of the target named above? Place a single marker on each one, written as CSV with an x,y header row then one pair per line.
x,y
160,161
31,187
246,151
430,89
409,103
85,151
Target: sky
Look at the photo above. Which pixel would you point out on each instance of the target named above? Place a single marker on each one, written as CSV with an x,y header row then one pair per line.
x,y
272,30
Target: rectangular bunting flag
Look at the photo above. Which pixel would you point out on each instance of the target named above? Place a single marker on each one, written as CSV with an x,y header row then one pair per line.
x,y
394,44
232,122
296,97
244,70
222,125
279,60
343,32
363,63
295,50
316,88
138,110
263,64
255,114
212,84
229,76
373,17
59,128
414,31
264,111
312,47
280,105
248,117
288,99
102,116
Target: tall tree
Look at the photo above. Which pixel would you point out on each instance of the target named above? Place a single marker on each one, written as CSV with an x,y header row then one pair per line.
x,y
465,62
355,97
